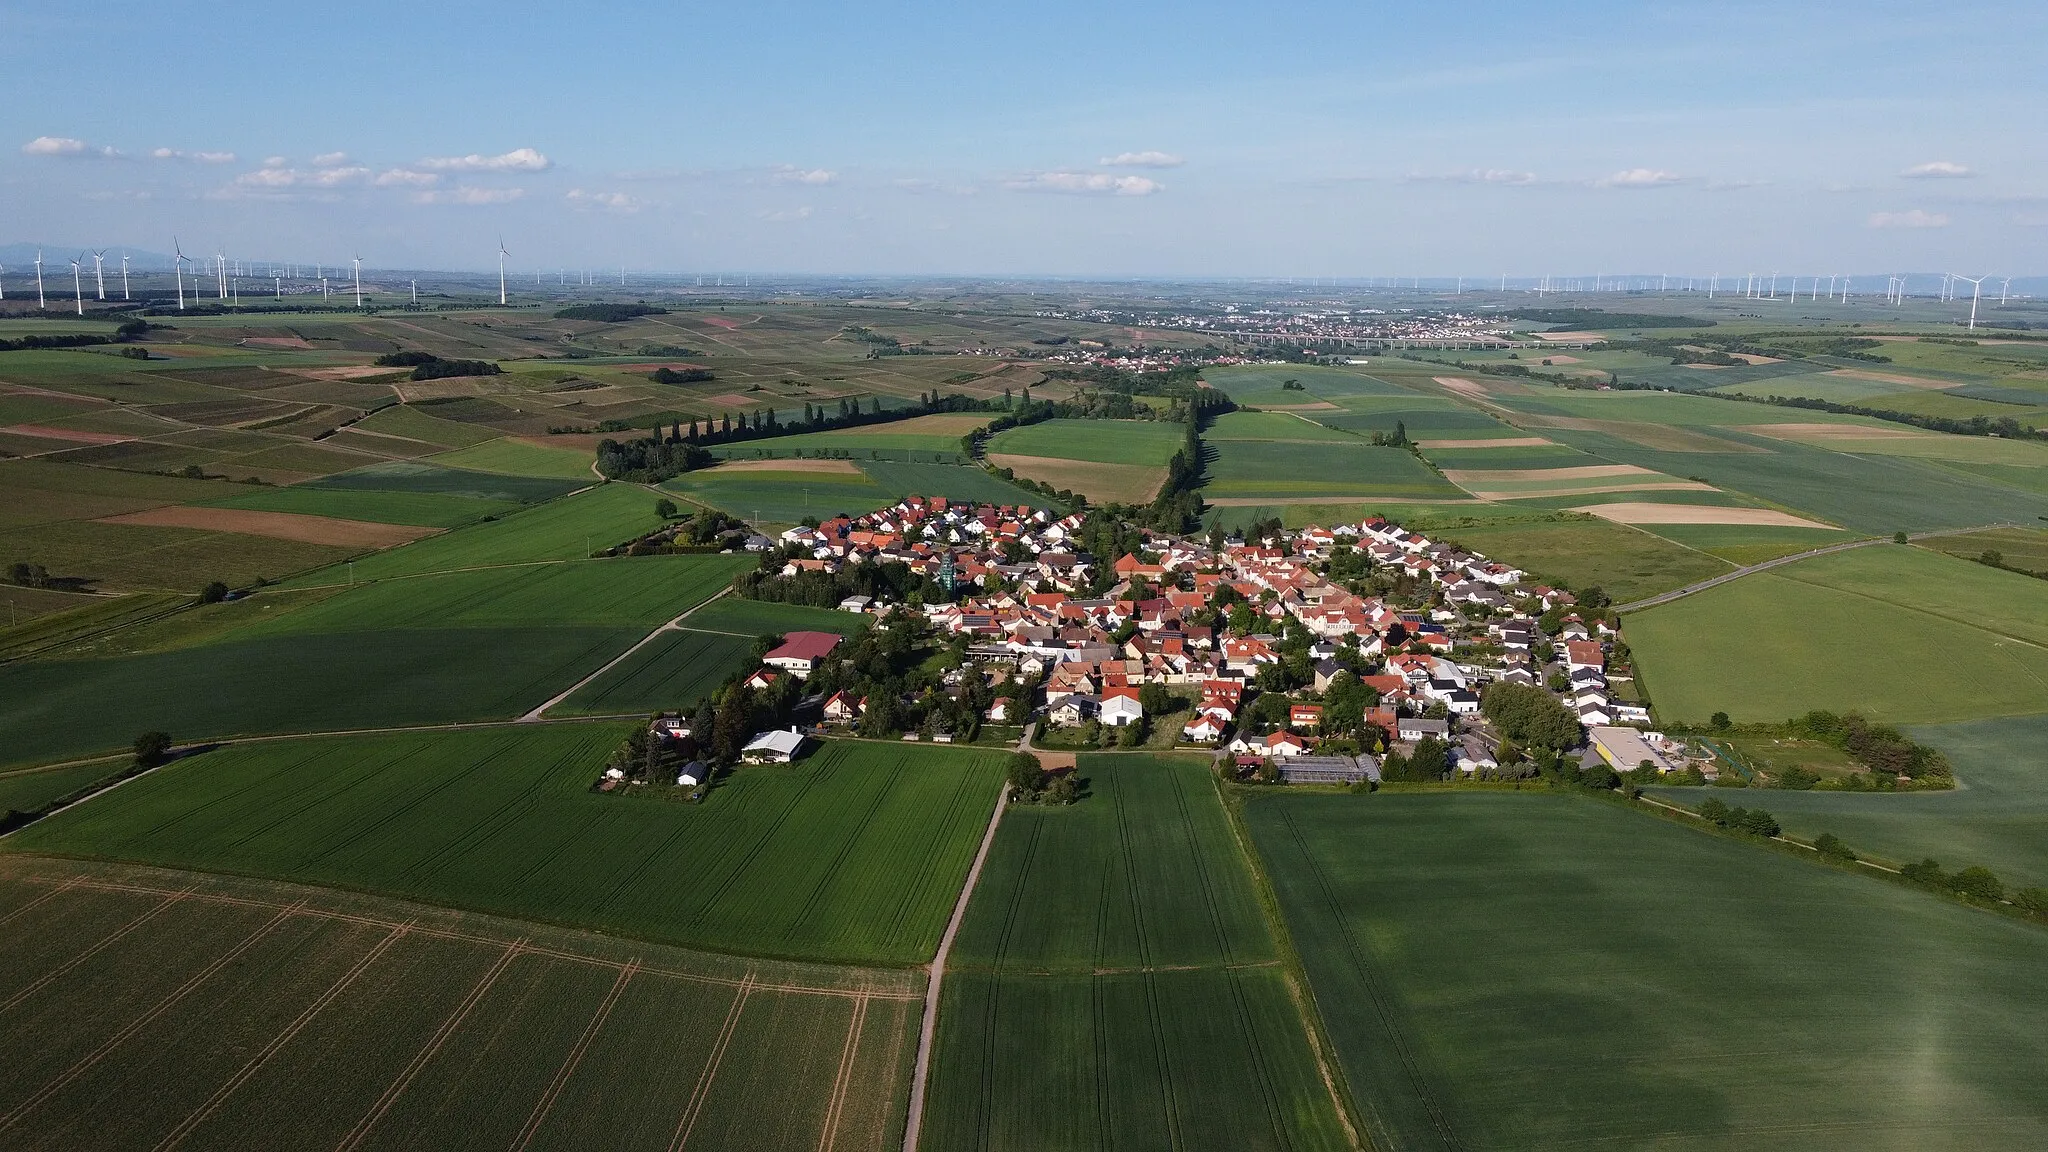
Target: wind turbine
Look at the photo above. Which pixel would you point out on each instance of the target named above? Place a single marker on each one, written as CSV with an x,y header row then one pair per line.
x,y
501,271
359,281
124,277
178,269
99,278
78,287
1976,289
41,305
3,282
2003,286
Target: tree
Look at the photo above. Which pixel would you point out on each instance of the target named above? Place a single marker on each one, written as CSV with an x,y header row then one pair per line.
x,y
1025,774
1899,537
213,593
152,748
1719,721
733,723
665,508
1153,698
1831,846
1530,716
1978,883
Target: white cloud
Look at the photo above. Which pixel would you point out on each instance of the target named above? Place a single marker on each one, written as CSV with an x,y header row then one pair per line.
x,y
1507,176
921,185
1915,218
602,201
1142,160
517,160
303,178
790,175
330,160
406,178
68,147
1087,184
1937,170
1639,178
469,196
195,157
275,162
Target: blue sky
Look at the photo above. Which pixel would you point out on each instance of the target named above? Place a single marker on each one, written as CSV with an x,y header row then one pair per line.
x,y
1194,138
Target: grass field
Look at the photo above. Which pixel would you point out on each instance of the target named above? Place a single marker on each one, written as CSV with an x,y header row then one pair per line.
x,y
136,557
1289,473
2023,548
1259,385
426,509
1101,441
26,791
788,497
854,854
233,1013
1507,971
1744,544
416,424
672,673
1115,984
433,479
570,528
920,437
1271,426
1626,563
1901,634
520,458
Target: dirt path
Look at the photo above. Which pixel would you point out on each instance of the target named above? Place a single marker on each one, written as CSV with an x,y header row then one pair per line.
x,y
1725,577
675,625
930,1027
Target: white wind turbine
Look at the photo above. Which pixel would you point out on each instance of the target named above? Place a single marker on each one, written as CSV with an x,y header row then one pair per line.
x,y
41,305
78,286
2004,286
124,277
178,270
99,278
359,281
501,270
1976,290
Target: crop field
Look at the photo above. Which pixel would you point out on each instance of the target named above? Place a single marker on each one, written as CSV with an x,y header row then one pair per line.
x,y
30,789
1286,426
1423,418
1483,993
1626,563
298,682
1115,984
737,617
2023,548
1102,441
1260,385
788,497
570,528
918,436
521,458
415,424
853,854
433,479
135,557
1114,483
672,673
235,1013
424,509
1744,544
1780,643
1287,473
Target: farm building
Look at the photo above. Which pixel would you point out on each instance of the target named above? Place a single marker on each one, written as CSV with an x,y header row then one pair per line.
x,y
777,747
1625,748
1328,769
800,652
1120,707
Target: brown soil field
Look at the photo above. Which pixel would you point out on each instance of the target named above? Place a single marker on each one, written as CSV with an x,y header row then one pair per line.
x,y
1461,476
838,467
44,431
733,399
1892,378
1571,337
1127,483
1643,513
1826,433
277,525
347,372
1502,442
1597,489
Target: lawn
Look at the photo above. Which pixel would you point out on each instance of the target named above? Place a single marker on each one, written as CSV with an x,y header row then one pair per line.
x,y
1505,971
346,1021
1901,634
1115,984
1627,563
570,528
1289,473
425,509
520,458
854,854
1101,441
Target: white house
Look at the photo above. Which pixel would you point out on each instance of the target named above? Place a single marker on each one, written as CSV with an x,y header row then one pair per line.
x,y
1120,707
777,747
1203,729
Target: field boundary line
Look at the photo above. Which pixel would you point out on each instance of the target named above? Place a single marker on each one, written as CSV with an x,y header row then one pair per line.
x,y
702,1090
844,1080
397,1087
249,1069
1794,558
546,1103
160,907
54,892
164,1005
929,1027
673,625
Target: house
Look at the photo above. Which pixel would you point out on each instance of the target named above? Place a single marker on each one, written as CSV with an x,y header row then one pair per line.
x,y
669,727
1626,748
859,604
1326,673
1120,707
1203,729
999,712
1305,716
1473,757
800,652
1074,708
1284,744
842,708
1328,769
1411,728
693,774
777,747
763,679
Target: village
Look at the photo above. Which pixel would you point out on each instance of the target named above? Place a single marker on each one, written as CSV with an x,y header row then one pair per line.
x,y
1274,651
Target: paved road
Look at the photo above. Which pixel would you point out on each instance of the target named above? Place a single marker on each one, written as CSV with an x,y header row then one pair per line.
x,y
1739,573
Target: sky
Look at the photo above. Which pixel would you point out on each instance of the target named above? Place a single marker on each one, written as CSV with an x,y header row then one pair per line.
x,y
1055,138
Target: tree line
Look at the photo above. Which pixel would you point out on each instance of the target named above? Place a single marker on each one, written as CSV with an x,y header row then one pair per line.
x,y
427,366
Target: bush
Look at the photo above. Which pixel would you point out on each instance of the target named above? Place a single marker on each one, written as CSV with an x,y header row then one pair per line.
x,y
1758,822
1024,773
1978,883
1830,846
152,748
213,593
2032,900
1926,872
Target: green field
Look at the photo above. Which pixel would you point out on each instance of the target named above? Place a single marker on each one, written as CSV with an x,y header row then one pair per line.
x,y
854,854
232,1013
1744,544
1288,473
425,509
1270,426
1115,984
415,424
136,557
570,528
672,673
1901,634
750,618
1580,553
788,497
918,438
519,458
1102,441
26,791
433,479
1504,971
1259,385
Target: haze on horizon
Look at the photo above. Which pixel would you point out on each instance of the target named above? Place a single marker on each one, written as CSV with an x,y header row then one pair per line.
x,y
1056,139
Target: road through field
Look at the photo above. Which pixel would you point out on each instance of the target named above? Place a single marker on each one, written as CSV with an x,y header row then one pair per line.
x,y
675,625
1780,561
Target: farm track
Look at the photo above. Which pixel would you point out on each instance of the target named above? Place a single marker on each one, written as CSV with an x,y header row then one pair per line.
x,y
675,625
1781,561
